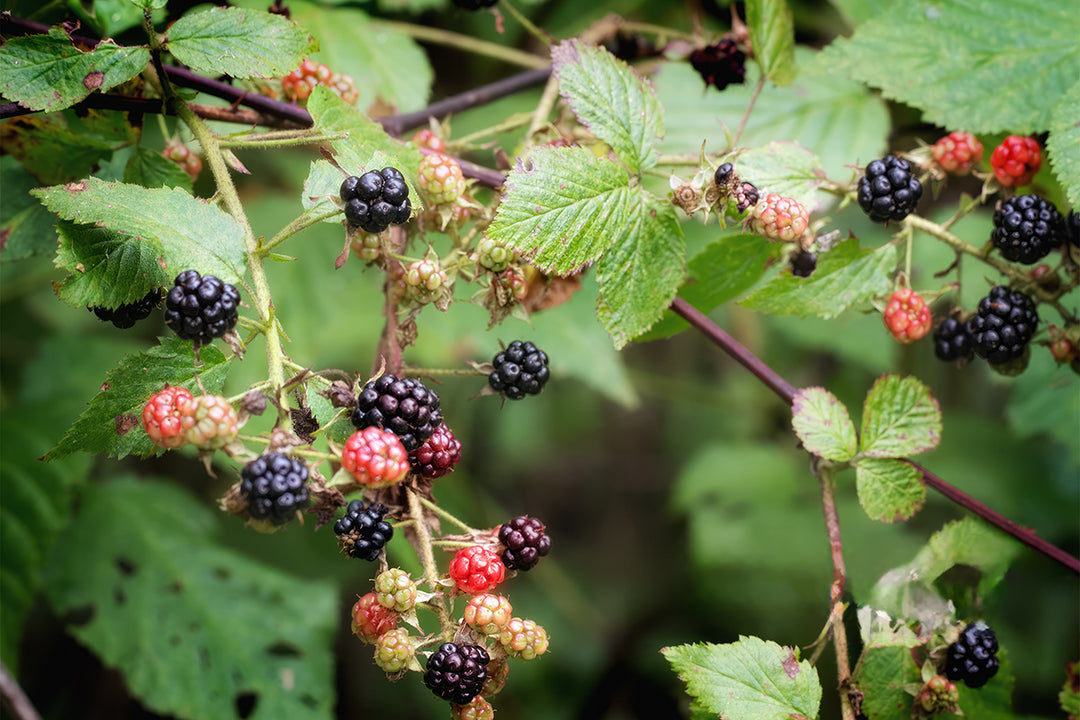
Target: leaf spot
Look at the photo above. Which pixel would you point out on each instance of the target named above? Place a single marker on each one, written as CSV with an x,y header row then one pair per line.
x,y
124,423
94,80
791,665
74,187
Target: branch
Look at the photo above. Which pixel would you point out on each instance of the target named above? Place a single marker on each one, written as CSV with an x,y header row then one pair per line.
x,y
14,699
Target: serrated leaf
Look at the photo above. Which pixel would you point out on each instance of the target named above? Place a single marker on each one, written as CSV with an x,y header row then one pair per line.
x,y
322,184
725,269
101,429
983,66
236,42
613,101
846,277
883,673
968,541
47,72
150,169
900,417
784,168
1063,146
106,268
772,34
752,679
189,233
184,619
115,16
149,4
562,208
640,274
823,425
50,151
889,490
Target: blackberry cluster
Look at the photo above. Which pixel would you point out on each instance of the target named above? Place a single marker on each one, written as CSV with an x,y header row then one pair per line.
x,y
721,64
526,541
201,308
521,369
973,658
888,190
1003,326
952,341
403,406
362,531
1027,228
273,485
375,200
437,455
803,264
126,315
474,4
456,672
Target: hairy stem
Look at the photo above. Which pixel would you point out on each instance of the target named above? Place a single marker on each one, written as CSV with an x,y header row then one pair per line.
x,y
825,474
427,557
446,38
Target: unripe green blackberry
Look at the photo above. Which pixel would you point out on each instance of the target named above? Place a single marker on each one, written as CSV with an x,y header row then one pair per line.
x,y
210,422
523,639
395,590
441,178
394,649
423,279
487,614
493,255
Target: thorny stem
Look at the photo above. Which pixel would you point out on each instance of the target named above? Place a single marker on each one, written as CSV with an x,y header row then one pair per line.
x,y
427,557
266,141
298,224
445,515
440,372
541,35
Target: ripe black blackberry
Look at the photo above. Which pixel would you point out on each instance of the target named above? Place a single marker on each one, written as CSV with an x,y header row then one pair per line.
x,y
721,64
722,176
888,190
973,657
376,200
474,4
1004,324
803,264
521,369
1027,228
526,541
403,406
201,308
437,455
456,672
126,315
274,486
952,341
361,531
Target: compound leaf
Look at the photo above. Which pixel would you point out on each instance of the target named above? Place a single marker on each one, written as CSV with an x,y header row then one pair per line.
x,y
613,101
563,207
900,417
752,679
640,274
47,72
772,33
847,276
823,424
107,268
1064,143
237,42
112,423
889,490
979,65
187,232
184,619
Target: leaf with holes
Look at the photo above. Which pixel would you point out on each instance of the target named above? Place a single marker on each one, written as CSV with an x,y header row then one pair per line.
x,y
889,490
900,417
823,424
186,621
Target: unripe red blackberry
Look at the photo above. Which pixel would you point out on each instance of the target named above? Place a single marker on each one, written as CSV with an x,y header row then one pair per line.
x,y
958,152
441,178
525,541
475,569
274,484
183,156
478,709
437,455
362,532
201,308
521,369
298,85
426,138
456,672
370,619
126,315
162,416
487,614
375,457
403,406
1016,160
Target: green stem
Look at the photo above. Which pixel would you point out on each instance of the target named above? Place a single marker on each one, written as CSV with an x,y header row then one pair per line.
x,y
427,557
543,108
513,122
260,141
749,107
826,477
656,30
303,221
445,515
438,36
539,34
441,372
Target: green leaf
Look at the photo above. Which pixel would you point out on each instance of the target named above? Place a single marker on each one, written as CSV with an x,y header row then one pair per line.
x,y
51,152
752,679
112,424
149,4
116,16
613,101
968,542
185,620
883,673
639,274
26,228
1063,146
900,417
877,629
846,277
784,168
1045,400
107,268
563,207
823,424
321,186
236,42
983,66
189,233
1069,697
47,72
772,33
150,169
889,490
721,272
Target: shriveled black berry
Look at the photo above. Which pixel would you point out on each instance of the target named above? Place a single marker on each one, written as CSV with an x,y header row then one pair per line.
x,y
803,264
456,672
403,406
746,196
973,657
888,190
1027,228
721,64
521,369
275,487
126,315
201,308
376,200
526,541
723,173
952,341
1004,324
474,4
362,532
